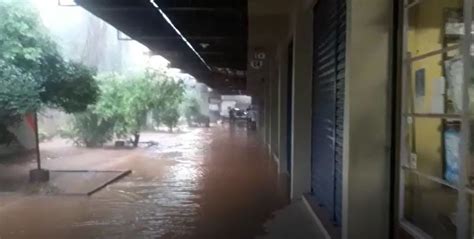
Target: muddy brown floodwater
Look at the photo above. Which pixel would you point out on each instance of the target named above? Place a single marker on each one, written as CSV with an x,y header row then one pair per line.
x,y
205,183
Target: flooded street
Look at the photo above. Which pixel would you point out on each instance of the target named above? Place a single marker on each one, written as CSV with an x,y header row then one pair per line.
x,y
205,183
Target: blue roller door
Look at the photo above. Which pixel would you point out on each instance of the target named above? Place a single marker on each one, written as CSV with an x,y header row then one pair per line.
x,y
328,104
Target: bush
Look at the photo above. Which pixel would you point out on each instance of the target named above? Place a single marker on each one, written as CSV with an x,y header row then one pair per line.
x,y
89,129
126,101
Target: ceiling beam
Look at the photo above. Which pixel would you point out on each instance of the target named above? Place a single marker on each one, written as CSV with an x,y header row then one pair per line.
x,y
179,53
168,9
214,38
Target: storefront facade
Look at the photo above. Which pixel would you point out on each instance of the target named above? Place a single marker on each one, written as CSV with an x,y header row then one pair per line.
x,y
435,188
379,133
333,141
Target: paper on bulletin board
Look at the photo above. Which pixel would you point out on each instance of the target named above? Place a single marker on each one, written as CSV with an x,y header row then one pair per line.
x,y
437,101
454,76
451,157
420,91
420,105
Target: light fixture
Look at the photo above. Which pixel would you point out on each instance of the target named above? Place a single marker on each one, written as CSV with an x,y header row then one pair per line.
x,y
168,20
204,45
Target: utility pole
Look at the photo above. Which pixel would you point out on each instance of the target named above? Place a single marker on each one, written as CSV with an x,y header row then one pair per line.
x,y
38,175
38,153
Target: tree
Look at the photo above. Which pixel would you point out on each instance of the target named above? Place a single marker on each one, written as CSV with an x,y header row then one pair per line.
x,y
19,94
89,129
72,88
170,117
191,109
171,96
127,100
33,72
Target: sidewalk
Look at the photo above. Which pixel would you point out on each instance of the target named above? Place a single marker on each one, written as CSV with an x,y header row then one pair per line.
x,y
293,222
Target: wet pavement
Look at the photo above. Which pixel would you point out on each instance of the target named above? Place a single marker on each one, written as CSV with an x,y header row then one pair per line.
x,y
296,222
205,183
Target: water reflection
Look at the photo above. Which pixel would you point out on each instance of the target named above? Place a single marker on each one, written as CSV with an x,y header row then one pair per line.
x,y
208,183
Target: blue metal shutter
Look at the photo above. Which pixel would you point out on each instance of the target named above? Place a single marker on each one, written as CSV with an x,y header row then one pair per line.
x,y
340,87
328,104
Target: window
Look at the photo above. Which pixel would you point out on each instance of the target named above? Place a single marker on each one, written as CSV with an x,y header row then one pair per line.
x,y
435,181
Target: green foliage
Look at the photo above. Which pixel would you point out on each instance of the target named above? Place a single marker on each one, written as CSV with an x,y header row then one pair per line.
x,y
191,109
19,94
71,87
166,110
89,129
23,40
126,100
123,105
32,71
170,117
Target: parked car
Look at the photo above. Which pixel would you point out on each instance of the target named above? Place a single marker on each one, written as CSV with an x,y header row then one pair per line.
x,y
237,114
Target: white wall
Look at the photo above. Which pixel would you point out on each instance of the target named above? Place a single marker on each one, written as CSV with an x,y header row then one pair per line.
x,y
225,105
25,135
240,99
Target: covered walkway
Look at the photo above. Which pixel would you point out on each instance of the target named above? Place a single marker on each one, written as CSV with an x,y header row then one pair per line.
x,y
361,110
205,183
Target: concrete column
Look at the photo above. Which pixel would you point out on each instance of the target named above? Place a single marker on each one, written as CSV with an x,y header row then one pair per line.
x,y
302,106
257,79
275,117
282,105
267,112
366,160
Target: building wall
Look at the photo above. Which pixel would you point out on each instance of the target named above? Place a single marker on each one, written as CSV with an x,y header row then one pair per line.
x,y
264,34
366,162
302,105
268,113
283,80
367,122
25,135
275,110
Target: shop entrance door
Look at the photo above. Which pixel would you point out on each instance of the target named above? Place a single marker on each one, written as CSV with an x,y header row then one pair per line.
x,y
328,104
